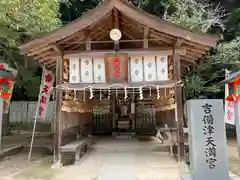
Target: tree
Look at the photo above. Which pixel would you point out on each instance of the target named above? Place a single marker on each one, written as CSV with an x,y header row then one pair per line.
x,y
22,20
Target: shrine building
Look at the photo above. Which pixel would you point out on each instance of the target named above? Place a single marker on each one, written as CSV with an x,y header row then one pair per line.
x,y
118,70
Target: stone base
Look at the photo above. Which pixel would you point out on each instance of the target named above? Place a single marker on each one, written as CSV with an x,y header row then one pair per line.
x,y
188,177
57,165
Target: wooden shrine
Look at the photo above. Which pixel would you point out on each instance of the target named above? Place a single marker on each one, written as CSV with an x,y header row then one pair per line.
x,y
119,69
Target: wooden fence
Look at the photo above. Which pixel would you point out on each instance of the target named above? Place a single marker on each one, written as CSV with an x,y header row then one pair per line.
x,y
24,112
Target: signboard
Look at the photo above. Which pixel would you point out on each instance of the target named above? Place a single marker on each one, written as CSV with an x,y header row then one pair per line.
x,y
116,68
207,140
46,85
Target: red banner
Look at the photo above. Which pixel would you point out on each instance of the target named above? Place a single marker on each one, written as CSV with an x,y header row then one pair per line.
x,y
46,85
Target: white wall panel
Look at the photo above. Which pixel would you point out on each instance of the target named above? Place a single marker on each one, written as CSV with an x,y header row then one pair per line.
x,y
99,70
74,70
86,70
150,73
136,69
162,68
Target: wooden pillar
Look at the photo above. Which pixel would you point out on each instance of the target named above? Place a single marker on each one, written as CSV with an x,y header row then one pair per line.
x,y
179,104
59,94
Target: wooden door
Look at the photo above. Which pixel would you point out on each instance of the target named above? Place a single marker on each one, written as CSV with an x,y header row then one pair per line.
x,y
102,118
145,119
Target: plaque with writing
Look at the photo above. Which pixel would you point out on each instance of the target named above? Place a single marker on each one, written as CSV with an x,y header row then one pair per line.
x,y
116,68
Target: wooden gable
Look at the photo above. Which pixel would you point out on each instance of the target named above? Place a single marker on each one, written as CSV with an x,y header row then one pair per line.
x,y
91,32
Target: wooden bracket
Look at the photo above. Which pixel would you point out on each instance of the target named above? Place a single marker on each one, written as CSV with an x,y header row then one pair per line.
x,y
145,37
88,40
178,42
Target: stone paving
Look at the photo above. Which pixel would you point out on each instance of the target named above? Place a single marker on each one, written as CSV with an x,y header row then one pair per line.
x,y
120,159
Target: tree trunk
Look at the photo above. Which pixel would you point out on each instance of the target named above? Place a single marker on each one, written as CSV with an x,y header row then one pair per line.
x,y
5,124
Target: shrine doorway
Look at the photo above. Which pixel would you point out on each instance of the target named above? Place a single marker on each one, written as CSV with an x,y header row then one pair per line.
x,y
124,122
124,116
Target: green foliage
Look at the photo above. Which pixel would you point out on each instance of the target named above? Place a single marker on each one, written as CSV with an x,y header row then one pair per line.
x,y
195,15
27,18
20,21
205,78
72,9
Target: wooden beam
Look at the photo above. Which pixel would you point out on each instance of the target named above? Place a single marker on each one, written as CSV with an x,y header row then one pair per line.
x,y
179,103
105,20
116,26
46,55
70,43
52,65
178,42
131,27
130,37
131,52
145,37
102,32
160,38
39,50
47,63
137,34
194,55
185,42
71,37
132,22
58,120
187,60
194,51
